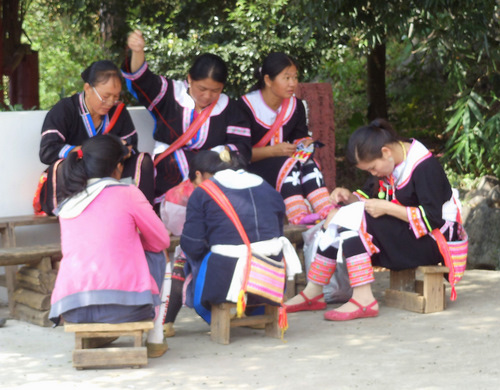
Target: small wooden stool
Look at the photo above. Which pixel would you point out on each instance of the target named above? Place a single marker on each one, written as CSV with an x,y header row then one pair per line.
x,y
421,296
221,323
135,356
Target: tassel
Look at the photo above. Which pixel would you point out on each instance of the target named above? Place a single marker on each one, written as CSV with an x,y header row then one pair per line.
x,y
241,304
282,320
453,293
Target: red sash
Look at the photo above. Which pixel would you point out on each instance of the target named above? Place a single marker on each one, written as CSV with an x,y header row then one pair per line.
x,y
278,122
188,135
221,199
114,118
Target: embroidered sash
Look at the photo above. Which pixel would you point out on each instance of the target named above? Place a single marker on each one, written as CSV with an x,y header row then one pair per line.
x,y
189,134
278,122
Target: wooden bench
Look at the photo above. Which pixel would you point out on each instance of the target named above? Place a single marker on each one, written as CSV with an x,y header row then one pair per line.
x,y
221,322
12,256
426,295
135,356
38,256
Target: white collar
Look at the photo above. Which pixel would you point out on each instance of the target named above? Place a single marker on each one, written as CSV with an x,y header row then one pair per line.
x,y
74,206
237,180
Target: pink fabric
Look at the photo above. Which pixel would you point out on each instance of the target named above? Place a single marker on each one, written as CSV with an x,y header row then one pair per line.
x,y
103,248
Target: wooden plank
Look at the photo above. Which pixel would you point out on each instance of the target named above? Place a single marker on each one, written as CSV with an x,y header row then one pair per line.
x,y
102,327
34,279
405,300
403,280
45,264
261,319
433,289
220,323
32,299
109,333
272,327
433,269
26,220
28,254
10,283
110,357
37,317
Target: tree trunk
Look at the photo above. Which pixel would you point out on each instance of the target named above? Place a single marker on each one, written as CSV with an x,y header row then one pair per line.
x,y
377,101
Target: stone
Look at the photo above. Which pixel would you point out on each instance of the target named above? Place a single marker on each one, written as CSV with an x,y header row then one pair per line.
x,y
481,213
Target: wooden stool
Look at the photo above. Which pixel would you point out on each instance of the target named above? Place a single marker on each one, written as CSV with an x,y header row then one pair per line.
x,y
135,356
221,323
421,296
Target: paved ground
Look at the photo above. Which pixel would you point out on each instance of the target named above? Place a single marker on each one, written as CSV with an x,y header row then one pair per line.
x,y
454,349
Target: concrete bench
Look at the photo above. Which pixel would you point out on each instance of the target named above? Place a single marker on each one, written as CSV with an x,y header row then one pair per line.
x,y
117,356
422,295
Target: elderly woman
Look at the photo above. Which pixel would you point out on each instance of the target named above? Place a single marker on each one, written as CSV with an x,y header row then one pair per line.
x,y
96,110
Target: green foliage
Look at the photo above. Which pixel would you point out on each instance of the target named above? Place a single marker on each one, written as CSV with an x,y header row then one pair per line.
x,y
242,35
474,142
62,54
440,54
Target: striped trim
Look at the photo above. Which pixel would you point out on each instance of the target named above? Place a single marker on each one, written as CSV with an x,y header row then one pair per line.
x,y
54,184
266,280
417,223
424,217
367,239
319,199
161,94
360,195
321,270
243,131
284,172
63,153
295,206
125,137
257,105
232,147
54,131
182,163
138,169
360,270
410,173
137,74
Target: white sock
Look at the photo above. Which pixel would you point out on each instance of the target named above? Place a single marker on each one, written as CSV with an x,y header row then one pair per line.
x,y
155,335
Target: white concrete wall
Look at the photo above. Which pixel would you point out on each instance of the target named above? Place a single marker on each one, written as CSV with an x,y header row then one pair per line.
x,y
20,167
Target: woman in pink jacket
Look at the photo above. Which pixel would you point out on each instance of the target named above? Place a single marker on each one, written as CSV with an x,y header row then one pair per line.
x,y
112,242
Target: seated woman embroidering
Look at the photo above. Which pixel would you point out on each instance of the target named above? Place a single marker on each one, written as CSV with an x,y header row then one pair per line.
x,y
215,250
112,242
282,150
407,198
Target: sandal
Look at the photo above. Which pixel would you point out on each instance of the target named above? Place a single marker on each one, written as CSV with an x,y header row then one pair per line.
x,y
362,312
308,304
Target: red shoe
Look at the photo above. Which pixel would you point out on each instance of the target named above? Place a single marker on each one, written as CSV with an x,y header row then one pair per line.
x,y
362,312
308,304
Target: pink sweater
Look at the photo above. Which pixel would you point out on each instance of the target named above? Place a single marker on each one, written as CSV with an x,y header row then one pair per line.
x,y
103,250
